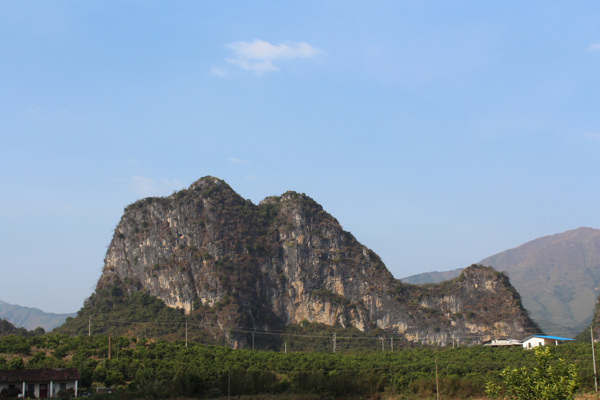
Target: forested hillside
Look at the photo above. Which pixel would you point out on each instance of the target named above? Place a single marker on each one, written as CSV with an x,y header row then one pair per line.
x,y
6,328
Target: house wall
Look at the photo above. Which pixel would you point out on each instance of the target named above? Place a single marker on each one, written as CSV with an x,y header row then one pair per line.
x,y
502,342
56,387
4,386
52,389
535,342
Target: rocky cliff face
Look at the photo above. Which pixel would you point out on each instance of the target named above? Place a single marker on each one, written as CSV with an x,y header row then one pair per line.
x,y
235,264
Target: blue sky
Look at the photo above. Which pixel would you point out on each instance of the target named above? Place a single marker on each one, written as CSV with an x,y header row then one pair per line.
x,y
437,132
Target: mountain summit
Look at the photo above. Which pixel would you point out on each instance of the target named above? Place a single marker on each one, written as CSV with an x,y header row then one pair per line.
x,y
232,264
557,276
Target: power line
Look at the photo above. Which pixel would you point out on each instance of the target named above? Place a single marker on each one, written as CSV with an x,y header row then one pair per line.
x,y
424,338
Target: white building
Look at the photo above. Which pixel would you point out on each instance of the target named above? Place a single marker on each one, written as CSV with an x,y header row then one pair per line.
x,y
541,340
39,383
502,342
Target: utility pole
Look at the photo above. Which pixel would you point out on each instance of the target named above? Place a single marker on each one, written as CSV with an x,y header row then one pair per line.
x,y
109,344
437,384
382,345
594,359
392,344
252,341
285,347
90,326
186,333
334,342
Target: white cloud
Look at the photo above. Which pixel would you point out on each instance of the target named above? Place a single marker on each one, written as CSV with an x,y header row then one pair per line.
x,y
237,160
258,56
594,46
146,187
593,135
218,71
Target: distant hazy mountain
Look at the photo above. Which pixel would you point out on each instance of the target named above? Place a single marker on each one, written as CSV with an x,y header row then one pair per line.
x,y
432,277
31,318
557,276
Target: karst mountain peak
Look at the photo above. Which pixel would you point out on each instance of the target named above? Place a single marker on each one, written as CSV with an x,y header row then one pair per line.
x,y
229,263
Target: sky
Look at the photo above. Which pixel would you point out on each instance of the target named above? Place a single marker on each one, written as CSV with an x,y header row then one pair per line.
x,y
438,132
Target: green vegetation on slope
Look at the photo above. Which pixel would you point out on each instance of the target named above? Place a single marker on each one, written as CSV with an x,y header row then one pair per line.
x,y
140,315
6,328
111,311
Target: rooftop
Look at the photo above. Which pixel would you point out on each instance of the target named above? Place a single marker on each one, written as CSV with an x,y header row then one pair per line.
x,y
39,375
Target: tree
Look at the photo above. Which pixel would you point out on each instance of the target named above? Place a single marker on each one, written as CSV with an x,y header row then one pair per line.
x,y
552,379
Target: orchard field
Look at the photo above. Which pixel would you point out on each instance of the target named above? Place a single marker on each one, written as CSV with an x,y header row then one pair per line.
x,y
161,369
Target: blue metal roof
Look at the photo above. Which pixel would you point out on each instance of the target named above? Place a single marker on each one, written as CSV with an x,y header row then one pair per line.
x,y
548,337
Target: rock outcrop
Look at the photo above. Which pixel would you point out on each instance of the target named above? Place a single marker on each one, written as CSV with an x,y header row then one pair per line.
x,y
557,277
225,260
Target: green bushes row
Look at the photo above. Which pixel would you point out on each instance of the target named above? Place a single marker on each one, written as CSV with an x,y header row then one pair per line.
x,y
163,369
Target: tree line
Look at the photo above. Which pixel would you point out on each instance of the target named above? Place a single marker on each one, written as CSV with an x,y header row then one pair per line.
x,y
161,369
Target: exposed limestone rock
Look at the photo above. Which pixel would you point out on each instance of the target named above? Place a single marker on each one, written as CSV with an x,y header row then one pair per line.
x,y
286,260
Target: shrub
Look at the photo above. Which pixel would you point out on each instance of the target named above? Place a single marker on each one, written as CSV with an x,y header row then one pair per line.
x,y
552,379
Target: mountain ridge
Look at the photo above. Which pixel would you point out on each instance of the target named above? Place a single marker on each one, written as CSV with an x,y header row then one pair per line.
x,y
31,317
557,276
229,263
569,265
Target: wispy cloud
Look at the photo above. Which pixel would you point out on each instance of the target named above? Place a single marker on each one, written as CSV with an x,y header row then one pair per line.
x,y
218,71
34,111
259,56
146,187
52,115
237,160
594,46
593,135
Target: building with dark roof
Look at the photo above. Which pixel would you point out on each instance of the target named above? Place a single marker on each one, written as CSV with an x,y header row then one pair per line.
x,y
39,383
